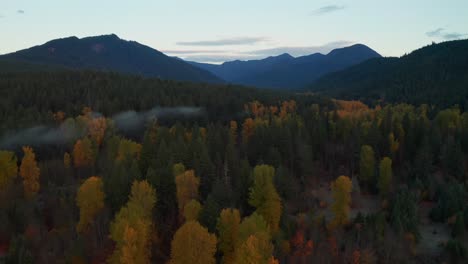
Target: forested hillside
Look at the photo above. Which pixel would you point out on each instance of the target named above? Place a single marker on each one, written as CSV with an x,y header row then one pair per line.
x,y
436,74
98,167
109,53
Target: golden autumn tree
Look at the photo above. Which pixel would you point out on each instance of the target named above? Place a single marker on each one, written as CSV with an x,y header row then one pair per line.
x,y
67,160
90,200
193,244
187,188
83,154
132,228
136,243
228,231
30,172
8,169
254,241
341,192
192,210
264,197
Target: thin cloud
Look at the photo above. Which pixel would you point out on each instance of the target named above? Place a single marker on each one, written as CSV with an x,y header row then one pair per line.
x,y
194,51
441,33
20,11
220,56
327,9
224,42
300,51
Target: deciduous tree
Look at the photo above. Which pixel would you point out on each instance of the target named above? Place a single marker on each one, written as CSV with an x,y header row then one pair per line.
x,y
132,228
192,210
187,188
264,197
228,232
90,200
341,191
30,172
83,154
193,244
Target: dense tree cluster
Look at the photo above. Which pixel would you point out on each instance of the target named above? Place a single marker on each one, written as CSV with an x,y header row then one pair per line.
x,y
268,180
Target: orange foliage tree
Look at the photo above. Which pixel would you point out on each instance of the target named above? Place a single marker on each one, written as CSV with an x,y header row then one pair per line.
x,y
187,188
248,129
228,231
193,244
83,154
97,129
30,172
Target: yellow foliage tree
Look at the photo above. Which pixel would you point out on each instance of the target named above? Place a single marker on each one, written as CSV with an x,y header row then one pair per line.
x,y
30,172
187,188
193,244
8,169
264,197
90,200
228,230
341,191
254,241
132,228
192,210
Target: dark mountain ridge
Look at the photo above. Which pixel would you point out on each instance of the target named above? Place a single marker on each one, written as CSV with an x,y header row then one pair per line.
x,y
285,71
436,74
110,53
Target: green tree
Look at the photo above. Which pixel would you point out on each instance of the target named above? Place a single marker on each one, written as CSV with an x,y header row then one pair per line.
x,y
367,165
385,176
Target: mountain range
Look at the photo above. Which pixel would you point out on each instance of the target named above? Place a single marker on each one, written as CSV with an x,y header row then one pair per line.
x,y
111,53
287,72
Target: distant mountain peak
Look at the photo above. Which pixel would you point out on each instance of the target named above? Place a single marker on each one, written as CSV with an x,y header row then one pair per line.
x,y
356,48
111,53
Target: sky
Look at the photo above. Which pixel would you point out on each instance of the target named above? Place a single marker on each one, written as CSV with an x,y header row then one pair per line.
x,y
220,30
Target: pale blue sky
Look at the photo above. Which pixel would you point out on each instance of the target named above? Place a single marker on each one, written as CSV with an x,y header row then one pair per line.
x,y
218,30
